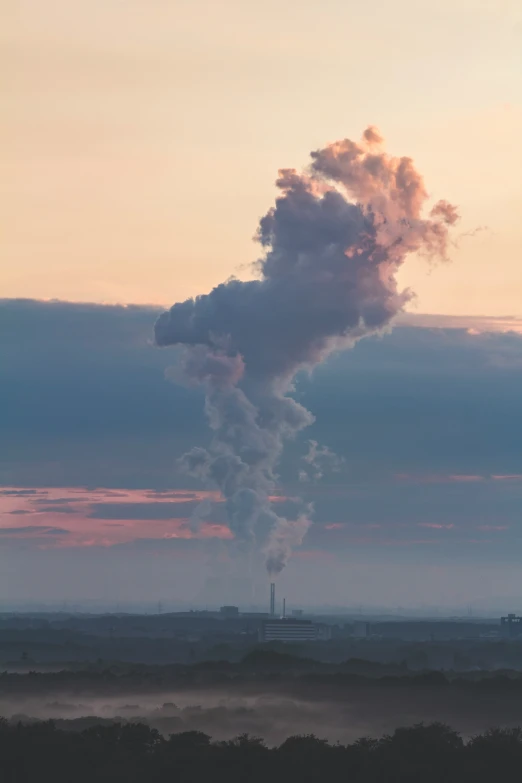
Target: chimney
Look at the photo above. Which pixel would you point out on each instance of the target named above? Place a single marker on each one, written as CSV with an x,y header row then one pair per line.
x,y
272,598
284,608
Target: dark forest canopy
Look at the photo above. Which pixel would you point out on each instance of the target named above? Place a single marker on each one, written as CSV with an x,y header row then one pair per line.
x,y
135,752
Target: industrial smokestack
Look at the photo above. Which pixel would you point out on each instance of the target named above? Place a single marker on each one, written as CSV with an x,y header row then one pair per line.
x,y
284,608
272,598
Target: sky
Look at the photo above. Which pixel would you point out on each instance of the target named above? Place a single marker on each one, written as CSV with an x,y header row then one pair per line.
x,y
425,509
141,146
146,136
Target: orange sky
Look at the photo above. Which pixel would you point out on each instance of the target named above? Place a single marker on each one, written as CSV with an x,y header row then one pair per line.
x,y
142,139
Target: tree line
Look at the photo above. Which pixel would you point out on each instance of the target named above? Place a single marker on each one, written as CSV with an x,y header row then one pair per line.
x,y
136,753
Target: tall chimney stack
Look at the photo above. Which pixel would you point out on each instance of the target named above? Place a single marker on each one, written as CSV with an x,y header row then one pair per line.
x,y
272,598
284,607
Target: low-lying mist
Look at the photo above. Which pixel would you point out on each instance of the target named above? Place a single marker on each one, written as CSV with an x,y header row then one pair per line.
x,y
275,712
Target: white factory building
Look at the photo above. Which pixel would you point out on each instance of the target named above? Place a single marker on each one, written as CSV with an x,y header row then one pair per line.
x,y
287,629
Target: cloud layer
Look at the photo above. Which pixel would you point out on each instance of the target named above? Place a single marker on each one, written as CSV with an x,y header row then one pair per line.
x,y
83,400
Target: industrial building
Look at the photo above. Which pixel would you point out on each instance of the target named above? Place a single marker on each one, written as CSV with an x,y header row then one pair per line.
x,y
290,629
287,629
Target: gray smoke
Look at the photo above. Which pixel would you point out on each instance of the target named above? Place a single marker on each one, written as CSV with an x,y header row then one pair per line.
x,y
332,246
318,460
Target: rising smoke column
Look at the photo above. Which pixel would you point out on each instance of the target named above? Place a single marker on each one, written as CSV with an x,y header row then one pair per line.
x,y
332,246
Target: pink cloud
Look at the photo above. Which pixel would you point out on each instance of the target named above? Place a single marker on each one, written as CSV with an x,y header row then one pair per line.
x,y
454,478
437,478
62,517
387,542
474,325
465,478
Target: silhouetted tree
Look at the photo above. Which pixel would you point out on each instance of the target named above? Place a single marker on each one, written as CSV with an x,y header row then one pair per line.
x,y
135,753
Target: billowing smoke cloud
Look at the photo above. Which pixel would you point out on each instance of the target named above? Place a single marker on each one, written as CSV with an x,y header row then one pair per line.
x,y
332,246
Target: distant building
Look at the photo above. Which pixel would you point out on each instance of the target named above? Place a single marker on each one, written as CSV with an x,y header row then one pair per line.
x,y
511,625
229,611
361,630
290,630
297,612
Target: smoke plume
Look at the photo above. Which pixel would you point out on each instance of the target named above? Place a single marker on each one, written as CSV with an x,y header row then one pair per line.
x,y
332,245
317,460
